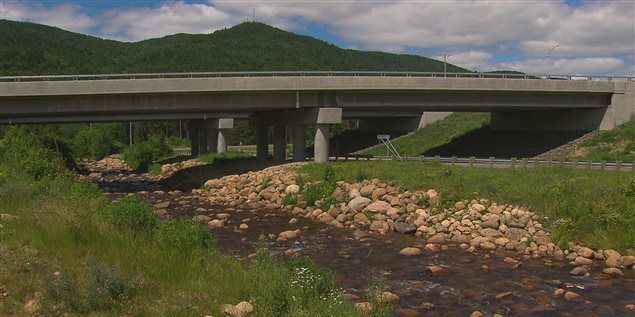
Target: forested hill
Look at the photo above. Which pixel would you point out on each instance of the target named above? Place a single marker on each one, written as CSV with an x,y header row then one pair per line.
x,y
30,49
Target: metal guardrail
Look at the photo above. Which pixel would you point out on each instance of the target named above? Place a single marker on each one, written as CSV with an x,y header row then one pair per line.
x,y
307,73
501,163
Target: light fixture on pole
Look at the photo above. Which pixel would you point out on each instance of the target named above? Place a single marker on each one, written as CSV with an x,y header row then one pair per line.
x,y
548,55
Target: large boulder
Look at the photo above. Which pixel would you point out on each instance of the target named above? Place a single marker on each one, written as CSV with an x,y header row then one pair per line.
x,y
292,189
357,203
367,191
379,206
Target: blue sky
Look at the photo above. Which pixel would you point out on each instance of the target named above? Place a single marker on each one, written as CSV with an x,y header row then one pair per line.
x,y
584,37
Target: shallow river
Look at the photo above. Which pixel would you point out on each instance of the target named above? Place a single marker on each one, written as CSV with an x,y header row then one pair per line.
x,y
470,281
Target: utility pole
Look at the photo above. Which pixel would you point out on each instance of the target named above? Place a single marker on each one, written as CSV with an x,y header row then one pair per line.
x,y
130,128
253,15
445,63
180,130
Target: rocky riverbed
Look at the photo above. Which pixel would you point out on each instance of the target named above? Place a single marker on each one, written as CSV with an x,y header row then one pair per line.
x,y
477,258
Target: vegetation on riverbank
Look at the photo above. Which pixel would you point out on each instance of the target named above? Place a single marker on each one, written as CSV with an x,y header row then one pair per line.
x,y
589,207
434,135
66,249
614,145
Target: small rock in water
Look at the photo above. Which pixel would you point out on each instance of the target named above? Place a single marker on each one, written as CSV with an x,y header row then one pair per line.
x,y
403,227
612,271
503,295
365,307
410,251
388,297
293,221
578,271
431,247
558,292
572,297
243,226
434,269
477,313
289,234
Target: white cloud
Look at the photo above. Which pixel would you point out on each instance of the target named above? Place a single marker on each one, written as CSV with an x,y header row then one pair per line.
x,y
169,18
474,60
66,16
569,66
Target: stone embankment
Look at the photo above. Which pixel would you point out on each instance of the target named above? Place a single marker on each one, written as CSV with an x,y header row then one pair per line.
x,y
379,207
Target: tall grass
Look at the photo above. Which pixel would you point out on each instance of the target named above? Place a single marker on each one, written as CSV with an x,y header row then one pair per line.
x,y
116,259
614,145
592,207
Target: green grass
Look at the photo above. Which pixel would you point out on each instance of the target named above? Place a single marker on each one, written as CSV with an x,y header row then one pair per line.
x,y
590,207
219,158
433,135
115,259
614,145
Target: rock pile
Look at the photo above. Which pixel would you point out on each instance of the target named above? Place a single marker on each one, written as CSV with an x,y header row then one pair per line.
x,y
380,207
168,170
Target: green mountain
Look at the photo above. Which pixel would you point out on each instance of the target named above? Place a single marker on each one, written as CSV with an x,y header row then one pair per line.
x,y
29,49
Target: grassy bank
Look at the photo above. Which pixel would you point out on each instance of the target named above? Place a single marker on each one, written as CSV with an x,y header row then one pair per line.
x,y
67,248
434,135
117,259
591,207
614,145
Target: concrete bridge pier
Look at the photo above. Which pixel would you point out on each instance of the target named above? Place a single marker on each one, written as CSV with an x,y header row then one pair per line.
x,y
221,141
262,142
299,142
298,119
321,145
209,136
279,142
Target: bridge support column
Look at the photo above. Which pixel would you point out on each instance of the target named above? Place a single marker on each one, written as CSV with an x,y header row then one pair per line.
x,y
194,141
321,145
212,140
202,141
299,142
322,117
221,141
262,142
204,135
279,142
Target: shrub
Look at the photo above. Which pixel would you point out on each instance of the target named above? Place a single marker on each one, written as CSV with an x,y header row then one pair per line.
x,y
178,142
184,236
107,286
96,287
265,182
31,151
290,200
131,213
139,156
94,144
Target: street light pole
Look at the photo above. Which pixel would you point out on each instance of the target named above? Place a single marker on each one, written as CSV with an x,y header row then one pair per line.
x,y
548,55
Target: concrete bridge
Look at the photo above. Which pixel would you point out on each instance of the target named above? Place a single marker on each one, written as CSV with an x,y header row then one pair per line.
x,y
394,100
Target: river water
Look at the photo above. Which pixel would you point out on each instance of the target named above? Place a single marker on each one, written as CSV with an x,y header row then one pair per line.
x,y
470,281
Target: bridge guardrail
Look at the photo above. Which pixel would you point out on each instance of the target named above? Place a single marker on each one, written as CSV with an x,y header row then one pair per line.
x,y
504,163
487,162
308,73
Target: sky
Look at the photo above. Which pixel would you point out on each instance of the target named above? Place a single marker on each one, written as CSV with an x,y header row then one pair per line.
x,y
540,36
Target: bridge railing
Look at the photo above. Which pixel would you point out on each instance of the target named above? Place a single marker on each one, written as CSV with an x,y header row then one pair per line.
x,y
493,162
308,73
